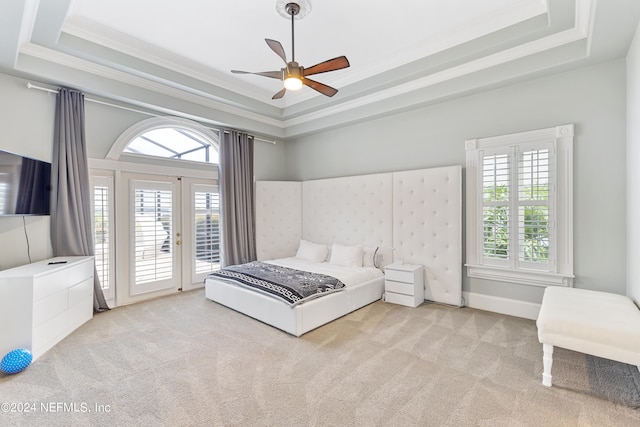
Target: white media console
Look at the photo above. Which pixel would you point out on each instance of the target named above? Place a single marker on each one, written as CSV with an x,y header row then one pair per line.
x,y
43,302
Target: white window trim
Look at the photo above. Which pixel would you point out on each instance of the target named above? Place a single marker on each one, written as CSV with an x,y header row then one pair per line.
x,y
561,270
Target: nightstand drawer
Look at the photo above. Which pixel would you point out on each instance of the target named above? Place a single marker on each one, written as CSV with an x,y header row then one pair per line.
x,y
400,275
400,288
408,300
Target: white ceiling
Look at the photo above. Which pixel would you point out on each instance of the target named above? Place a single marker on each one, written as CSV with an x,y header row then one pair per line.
x,y
176,57
224,34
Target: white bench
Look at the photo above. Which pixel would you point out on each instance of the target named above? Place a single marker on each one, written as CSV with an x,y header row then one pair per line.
x,y
598,323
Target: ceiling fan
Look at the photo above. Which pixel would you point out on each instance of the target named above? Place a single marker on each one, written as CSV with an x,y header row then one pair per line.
x,y
294,75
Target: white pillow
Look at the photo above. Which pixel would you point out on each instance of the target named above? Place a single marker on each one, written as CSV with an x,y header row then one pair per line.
x,y
310,251
368,259
350,256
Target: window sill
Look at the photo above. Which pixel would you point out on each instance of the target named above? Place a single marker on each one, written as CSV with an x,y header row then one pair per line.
x,y
522,277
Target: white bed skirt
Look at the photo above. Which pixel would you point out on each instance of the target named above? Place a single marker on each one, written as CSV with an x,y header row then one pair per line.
x,y
301,318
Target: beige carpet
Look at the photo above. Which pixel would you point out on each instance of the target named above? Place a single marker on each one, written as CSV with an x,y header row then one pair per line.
x,y
186,361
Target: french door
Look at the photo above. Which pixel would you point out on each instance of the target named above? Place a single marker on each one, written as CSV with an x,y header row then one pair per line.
x,y
201,225
172,243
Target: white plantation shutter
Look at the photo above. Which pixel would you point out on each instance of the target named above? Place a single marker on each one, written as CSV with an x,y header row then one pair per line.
x,y
153,222
516,206
4,193
207,229
535,206
102,205
102,222
495,207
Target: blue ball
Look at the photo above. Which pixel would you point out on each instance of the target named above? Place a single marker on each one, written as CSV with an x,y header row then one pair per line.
x,y
16,361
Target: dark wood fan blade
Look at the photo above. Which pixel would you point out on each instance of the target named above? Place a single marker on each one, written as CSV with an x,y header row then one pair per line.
x,y
272,74
320,87
330,65
277,48
279,94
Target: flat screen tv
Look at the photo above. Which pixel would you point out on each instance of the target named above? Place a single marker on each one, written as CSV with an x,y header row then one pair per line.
x,y
25,185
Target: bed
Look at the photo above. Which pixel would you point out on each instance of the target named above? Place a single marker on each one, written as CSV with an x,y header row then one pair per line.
x,y
351,265
415,216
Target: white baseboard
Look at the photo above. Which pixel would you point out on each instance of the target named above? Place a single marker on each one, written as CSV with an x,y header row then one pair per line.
x,y
511,307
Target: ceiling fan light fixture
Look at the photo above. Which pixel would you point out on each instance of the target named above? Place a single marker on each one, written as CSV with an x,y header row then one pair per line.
x,y
292,83
293,75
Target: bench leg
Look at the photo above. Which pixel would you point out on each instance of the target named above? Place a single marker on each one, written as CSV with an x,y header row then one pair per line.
x,y
547,361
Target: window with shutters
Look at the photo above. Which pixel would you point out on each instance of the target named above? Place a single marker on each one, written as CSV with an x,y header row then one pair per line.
x,y
102,208
519,207
207,229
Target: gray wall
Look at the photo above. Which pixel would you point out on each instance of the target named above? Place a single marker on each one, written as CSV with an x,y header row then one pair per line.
x,y
593,98
27,119
633,159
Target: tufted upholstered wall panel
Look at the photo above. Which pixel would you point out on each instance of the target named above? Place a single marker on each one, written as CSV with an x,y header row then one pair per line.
x,y
278,218
427,228
348,210
419,213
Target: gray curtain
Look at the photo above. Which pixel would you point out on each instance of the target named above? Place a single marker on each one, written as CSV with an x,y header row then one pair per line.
x,y
237,200
71,231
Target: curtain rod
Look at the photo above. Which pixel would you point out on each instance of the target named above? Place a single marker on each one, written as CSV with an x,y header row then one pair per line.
x,y
108,104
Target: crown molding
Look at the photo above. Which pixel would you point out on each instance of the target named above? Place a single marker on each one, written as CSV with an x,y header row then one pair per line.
x,y
106,37
93,68
96,33
204,99
531,48
463,34
315,116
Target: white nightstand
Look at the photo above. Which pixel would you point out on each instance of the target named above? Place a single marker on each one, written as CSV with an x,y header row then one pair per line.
x,y
404,284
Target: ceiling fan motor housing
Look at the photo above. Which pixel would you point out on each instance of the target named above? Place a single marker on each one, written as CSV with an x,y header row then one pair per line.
x,y
293,70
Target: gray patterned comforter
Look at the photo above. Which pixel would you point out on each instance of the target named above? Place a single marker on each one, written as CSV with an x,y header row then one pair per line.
x,y
291,285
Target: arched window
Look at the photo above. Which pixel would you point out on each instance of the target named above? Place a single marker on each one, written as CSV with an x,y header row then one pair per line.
x,y
169,138
174,143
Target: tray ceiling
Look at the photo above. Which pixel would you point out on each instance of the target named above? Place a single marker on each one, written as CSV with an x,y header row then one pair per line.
x,y
176,57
